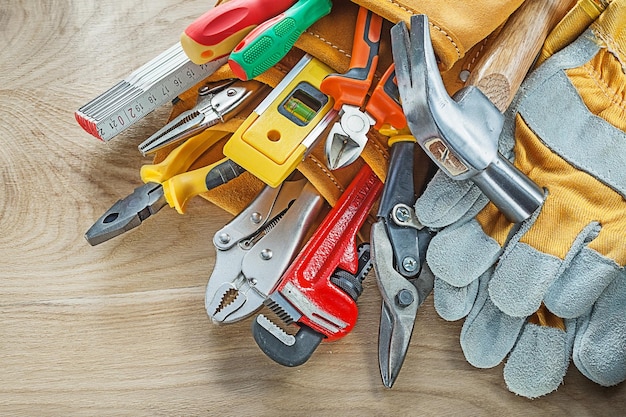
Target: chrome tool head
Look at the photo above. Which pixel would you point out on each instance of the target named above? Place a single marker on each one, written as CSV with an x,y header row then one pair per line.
x,y
215,104
401,300
128,213
348,137
460,134
256,247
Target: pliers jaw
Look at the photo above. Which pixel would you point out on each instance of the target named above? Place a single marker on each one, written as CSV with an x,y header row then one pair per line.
x,y
216,103
128,213
348,137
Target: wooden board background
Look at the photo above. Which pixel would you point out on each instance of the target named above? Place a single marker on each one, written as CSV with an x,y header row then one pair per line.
x,y
120,329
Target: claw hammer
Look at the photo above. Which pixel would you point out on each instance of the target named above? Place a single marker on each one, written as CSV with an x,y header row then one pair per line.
x,y
460,133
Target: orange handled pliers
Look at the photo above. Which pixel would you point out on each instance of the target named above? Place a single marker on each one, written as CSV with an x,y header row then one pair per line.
x,y
348,136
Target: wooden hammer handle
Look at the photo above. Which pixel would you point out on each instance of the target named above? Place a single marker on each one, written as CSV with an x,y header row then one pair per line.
x,y
500,73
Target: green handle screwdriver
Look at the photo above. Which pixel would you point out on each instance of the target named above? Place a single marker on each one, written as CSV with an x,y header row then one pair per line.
x,y
268,43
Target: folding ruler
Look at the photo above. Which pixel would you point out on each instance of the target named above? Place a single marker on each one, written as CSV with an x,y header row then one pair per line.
x,y
157,82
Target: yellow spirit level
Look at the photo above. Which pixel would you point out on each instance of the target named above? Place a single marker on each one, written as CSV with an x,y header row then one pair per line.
x,y
276,136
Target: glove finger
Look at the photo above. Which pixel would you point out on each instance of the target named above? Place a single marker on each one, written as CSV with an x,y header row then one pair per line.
x,y
453,303
600,344
524,273
445,201
577,289
539,361
462,254
488,335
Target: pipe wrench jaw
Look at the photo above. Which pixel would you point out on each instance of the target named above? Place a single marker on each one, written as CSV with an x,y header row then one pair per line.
x,y
283,348
295,349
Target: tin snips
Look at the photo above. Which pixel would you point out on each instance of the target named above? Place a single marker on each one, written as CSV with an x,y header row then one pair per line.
x,y
399,244
254,249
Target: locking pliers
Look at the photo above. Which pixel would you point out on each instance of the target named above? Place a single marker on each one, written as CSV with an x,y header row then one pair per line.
x,y
254,249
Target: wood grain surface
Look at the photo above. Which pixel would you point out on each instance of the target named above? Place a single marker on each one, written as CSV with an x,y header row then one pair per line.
x,y
120,328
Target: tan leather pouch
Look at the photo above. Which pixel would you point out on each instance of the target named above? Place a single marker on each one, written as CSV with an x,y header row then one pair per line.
x,y
457,26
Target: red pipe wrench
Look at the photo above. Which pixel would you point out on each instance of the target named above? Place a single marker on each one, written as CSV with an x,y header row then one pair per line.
x,y
318,291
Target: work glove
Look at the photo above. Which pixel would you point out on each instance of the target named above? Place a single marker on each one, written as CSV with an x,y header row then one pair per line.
x,y
553,287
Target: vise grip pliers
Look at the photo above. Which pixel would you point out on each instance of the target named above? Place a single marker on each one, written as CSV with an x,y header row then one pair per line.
x,y
254,249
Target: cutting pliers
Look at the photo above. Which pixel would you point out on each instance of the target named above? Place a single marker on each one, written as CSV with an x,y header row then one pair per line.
x,y
349,91
348,138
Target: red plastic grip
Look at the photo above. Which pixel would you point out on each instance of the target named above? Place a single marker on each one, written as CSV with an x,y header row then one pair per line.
x,y
229,18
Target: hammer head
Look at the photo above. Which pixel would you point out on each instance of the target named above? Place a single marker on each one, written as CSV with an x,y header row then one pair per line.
x,y
460,134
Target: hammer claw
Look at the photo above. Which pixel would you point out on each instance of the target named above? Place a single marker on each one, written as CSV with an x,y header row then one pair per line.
x,y
460,134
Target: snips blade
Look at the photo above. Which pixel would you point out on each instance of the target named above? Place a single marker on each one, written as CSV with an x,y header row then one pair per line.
x,y
401,300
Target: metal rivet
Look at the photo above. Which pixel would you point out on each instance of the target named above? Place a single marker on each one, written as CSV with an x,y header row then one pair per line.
x,y
409,263
224,238
231,92
266,254
404,298
402,214
464,75
256,217
203,91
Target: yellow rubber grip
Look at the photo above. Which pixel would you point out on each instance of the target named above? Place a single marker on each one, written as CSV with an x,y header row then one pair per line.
x,y
400,138
179,189
181,158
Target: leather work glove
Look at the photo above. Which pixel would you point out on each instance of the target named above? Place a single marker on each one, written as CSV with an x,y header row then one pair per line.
x,y
552,288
